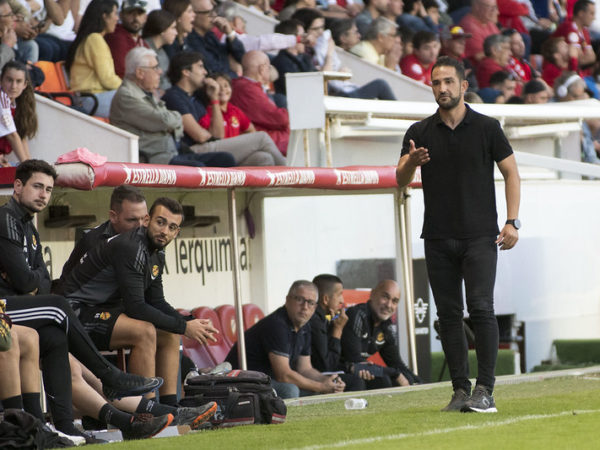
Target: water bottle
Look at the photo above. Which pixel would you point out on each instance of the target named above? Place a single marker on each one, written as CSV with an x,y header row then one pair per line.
x,y
356,403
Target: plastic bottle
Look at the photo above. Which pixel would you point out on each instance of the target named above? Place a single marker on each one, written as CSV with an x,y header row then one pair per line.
x,y
356,403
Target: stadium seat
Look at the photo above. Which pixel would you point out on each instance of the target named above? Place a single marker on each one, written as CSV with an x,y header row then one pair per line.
x,y
56,86
355,296
226,315
251,314
194,350
217,350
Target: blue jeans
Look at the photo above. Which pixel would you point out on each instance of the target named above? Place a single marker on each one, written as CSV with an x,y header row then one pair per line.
x,y
52,48
215,159
449,262
377,89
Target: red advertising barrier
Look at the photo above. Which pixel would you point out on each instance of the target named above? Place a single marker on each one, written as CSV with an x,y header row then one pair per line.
x,y
85,177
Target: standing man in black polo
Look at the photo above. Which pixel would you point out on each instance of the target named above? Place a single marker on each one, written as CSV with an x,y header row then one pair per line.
x,y
456,149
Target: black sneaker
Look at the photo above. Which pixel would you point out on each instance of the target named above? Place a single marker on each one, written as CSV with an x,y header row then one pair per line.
x,y
481,401
128,385
146,425
458,401
195,417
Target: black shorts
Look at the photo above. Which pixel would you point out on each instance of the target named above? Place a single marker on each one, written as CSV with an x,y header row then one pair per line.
x,y
99,322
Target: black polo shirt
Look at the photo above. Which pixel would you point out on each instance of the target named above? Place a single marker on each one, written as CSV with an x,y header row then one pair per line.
x,y
176,99
274,333
458,181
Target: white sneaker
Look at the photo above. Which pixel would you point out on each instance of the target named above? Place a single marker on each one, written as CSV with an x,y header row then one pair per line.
x,y
76,440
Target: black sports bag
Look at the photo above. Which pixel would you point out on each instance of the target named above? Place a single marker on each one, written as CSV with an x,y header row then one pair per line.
x,y
243,397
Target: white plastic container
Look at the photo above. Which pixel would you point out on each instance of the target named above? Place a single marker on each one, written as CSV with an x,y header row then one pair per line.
x,y
356,403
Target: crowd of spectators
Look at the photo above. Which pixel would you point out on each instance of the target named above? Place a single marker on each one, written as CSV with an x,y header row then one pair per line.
x,y
528,40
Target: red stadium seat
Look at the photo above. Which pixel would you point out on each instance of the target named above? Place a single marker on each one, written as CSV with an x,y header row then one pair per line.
x,y
194,350
217,350
354,296
226,315
252,314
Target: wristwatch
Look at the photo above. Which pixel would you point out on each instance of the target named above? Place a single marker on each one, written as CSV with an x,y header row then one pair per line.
x,y
514,222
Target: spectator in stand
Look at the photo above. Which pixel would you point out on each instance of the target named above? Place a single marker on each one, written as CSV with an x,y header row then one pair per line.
x,y
187,74
559,57
54,25
345,33
215,54
576,32
454,41
161,31
373,10
480,23
570,86
8,36
378,42
127,34
279,345
137,110
264,42
249,95
370,330
497,54
293,59
415,17
394,9
321,44
502,87
18,17
17,91
511,14
517,63
426,48
291,6
235,122
184,16
536,92
89,61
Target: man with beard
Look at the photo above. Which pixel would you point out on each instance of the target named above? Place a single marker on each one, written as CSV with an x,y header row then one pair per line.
x,y
128,33
456,149
370,330
118,293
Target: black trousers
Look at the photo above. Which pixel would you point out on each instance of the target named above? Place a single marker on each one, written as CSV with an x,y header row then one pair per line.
x,y
449,262
60,332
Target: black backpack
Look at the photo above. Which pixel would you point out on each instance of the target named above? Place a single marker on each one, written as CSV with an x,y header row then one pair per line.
x,y
243,397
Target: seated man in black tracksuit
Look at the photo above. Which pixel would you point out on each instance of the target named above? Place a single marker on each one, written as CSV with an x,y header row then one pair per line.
x,y
118,293
25,284
326,327
370,330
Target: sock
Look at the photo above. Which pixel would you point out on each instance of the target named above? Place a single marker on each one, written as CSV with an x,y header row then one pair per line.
x,y
113,416
15,402
154,408
67,427
32,404
170,400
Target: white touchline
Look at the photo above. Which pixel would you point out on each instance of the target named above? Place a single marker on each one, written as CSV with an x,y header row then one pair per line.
x,y
393,437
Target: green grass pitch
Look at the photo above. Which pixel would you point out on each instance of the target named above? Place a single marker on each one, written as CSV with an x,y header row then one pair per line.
x,y
558,413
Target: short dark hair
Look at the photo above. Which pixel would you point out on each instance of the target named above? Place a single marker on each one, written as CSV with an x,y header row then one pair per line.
x,y
581,5
500,77
176,7
289,26
448,61
307,16
172,205
27,168
180,62
339,27
423,37
325,283
124,192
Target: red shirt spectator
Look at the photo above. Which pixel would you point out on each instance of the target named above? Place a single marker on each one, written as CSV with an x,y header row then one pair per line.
x,y
120,42
234,120
485,69
479,31
249,96
520,69
412,67
509,15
